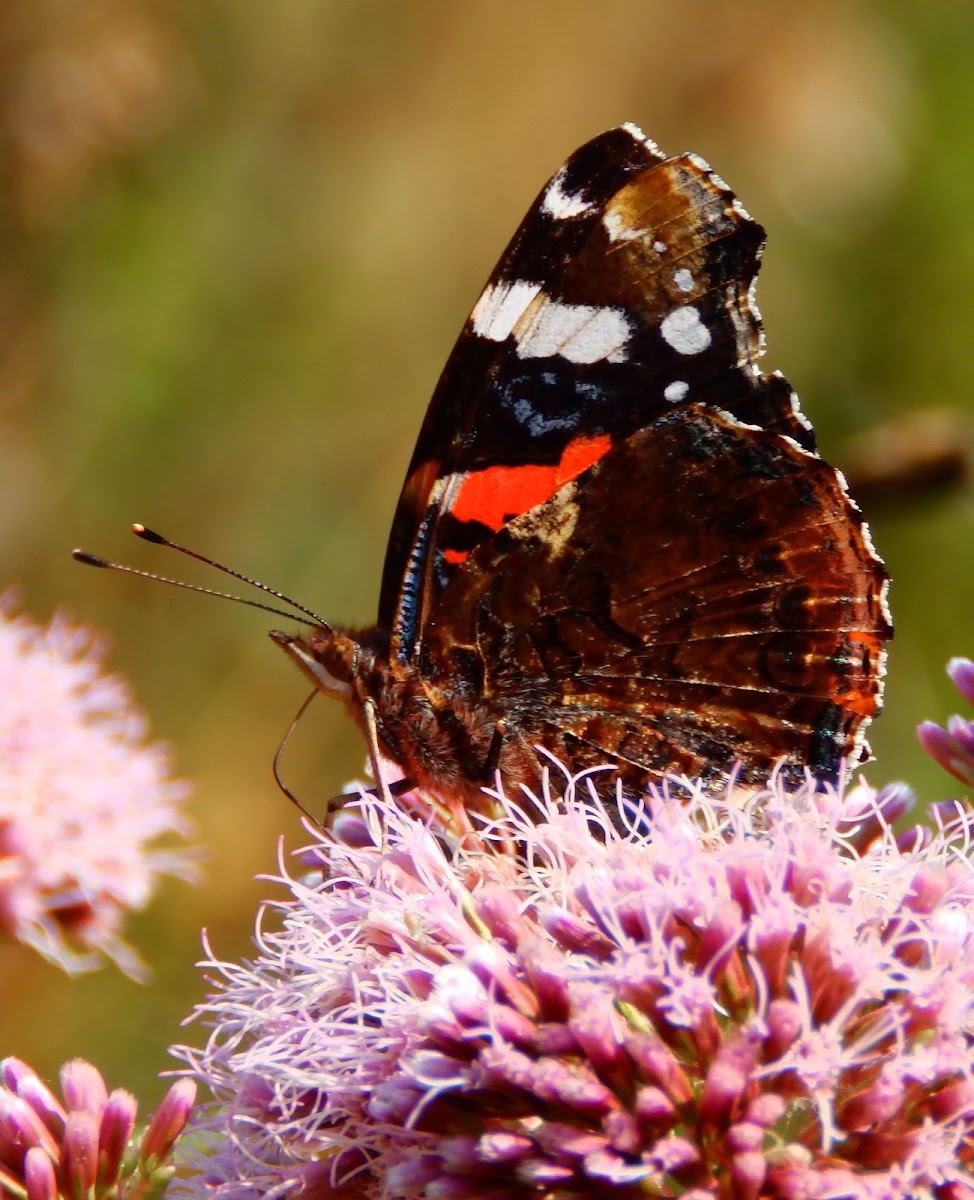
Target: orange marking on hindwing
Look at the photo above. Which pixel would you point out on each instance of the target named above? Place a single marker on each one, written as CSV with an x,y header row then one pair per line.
x,y
863,703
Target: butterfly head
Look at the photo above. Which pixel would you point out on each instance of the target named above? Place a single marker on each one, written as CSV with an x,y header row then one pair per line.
x,y
330,659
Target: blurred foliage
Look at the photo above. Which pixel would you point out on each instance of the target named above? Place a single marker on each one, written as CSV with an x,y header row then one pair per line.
x,y
237,241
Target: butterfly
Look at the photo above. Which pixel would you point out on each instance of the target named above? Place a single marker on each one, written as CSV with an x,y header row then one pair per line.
x,y
616,543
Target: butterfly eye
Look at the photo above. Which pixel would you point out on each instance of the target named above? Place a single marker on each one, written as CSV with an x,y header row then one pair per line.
x,y
339,657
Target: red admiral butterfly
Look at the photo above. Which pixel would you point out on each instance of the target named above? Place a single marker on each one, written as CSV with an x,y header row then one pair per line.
x,y
615,539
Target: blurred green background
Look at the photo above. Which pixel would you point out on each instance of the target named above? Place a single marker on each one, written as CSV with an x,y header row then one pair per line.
x,y
238,239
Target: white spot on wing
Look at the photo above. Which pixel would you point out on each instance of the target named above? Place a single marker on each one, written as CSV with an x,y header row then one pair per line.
x,y
660,247
683,330
675,391
683,279
560,204
619,230
581,333
500,307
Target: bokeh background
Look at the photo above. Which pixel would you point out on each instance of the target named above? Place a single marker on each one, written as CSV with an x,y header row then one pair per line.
x,y
238,239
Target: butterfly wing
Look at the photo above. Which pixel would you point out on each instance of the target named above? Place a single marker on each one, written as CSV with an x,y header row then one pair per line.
x,y
624,295
705,594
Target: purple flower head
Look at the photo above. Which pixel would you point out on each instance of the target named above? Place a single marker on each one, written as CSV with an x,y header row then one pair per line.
x,y
88,1147
953,747
83,798
766,995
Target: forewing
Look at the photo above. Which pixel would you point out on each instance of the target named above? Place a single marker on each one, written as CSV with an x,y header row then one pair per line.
x,y
706,594
624,294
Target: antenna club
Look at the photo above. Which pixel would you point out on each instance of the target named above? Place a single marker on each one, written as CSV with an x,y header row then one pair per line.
x,y
149,535
89,560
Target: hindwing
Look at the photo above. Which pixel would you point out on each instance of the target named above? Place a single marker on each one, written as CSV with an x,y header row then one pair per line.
x,y
705,594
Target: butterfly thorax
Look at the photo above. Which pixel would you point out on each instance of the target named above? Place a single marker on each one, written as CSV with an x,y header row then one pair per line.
x,y
442,739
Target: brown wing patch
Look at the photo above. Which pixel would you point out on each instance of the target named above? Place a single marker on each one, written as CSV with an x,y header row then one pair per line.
x,y
717,600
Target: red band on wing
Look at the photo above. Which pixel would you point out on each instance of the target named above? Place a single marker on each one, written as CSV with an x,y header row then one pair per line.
x,y
579,455
496,494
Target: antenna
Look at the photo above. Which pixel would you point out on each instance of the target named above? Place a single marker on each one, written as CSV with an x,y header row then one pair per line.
x,y
149,535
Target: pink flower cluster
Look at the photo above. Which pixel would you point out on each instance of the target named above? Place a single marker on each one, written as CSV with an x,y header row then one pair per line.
x,y
953,747
84,800
87,1148
769,995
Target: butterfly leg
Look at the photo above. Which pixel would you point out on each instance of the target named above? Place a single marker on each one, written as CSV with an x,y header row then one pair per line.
x,y
493,759
399,787
381,788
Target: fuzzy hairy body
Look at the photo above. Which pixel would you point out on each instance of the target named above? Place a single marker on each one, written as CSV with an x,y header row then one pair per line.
x,y
444,741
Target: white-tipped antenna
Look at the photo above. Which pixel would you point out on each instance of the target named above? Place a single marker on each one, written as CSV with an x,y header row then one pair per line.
x,y
149,535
